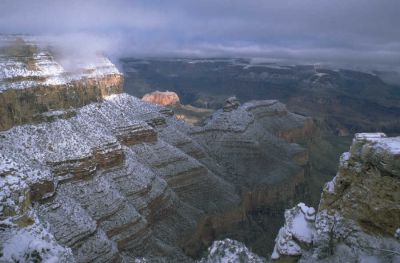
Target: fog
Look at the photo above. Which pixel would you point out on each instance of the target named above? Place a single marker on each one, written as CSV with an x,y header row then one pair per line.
x,y
357,33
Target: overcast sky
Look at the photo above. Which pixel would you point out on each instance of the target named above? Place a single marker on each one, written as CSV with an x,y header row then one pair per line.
x,y
359,32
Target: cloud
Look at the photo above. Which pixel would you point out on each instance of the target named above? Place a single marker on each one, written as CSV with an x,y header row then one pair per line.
x,y
349,32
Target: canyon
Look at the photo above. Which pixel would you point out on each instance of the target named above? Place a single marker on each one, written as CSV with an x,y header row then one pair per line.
x,y
343,101
89,173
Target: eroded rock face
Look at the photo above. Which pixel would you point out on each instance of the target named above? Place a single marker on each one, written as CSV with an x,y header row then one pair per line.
x,y
244,142
164,98
369,176
111,186
359,213
105,200
35,87
121,179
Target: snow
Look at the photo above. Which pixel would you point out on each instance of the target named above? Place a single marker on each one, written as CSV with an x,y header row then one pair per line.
x,y
298,230
378,150
344,157
230,251
343,162
369,136
34,243
14,180
54,113
275,254
43,69
392,145
301,229
330,186
27,150
397,233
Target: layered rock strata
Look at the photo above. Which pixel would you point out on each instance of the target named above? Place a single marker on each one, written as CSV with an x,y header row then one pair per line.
x,y
35,87
163,98
109,184
120,178
359,214
241,142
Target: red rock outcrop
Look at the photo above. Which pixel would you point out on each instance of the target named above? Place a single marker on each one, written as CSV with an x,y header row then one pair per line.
x,y
164,98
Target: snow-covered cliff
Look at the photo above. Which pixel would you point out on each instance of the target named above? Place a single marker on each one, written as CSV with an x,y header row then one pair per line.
x,y
358,219
37,82
89,172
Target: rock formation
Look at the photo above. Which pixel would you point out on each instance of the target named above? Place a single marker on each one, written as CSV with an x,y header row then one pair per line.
x,y
359,213
34,87
228,250
232,103
298,232
163,98
112,178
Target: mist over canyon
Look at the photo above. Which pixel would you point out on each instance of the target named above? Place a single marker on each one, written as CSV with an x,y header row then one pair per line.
x,y
199,131
90,173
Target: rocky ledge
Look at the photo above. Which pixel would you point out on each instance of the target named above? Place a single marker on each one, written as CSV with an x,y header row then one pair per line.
x,y
111,187
107,177
36,86
358,219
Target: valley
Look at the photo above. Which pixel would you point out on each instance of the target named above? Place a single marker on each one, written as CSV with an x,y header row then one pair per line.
x,y
92,172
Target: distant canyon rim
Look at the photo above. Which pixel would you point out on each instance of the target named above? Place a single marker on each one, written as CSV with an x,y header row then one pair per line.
x,y
175,156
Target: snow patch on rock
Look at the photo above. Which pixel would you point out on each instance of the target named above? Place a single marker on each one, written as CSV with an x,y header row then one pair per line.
x,y
297,232
230,251
33,244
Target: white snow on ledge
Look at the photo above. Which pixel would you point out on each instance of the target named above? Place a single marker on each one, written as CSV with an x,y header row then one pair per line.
x,y
392,145
379,142
34,244
43,69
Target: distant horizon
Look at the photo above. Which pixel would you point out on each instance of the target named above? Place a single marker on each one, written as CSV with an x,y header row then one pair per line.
x,y
387,75
353,32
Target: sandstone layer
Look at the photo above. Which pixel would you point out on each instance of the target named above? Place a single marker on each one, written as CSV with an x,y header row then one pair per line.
x,y
163,98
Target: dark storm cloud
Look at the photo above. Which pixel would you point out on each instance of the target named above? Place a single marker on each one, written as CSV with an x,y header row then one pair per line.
x,y
359,32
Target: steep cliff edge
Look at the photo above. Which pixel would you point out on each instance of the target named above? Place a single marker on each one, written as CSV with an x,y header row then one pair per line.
x,y
359,213
36,87
101,176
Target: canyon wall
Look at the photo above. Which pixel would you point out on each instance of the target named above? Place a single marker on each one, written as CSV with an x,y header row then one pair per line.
x,y
106,177
358,218
35,87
